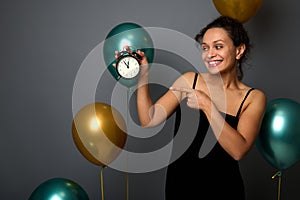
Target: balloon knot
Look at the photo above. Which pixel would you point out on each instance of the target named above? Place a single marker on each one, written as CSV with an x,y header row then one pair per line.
x,y
279,174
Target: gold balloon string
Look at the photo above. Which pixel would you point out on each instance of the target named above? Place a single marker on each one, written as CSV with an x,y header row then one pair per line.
x,y
129,92
127,186
279,174
101,184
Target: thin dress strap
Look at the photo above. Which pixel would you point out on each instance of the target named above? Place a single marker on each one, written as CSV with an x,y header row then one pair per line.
x,y
195,80
178,110
240,108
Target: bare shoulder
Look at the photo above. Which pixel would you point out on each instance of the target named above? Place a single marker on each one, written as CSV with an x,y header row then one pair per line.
x,y
258,94
258,99
189,75
185,80
255,95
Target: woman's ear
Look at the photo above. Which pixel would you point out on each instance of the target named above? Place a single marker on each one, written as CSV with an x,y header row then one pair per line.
x,y
240,51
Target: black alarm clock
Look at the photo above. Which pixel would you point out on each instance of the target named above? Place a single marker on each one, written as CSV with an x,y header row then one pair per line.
x,y
128,64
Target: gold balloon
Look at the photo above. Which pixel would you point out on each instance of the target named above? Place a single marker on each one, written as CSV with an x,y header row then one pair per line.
x,y
99,132
241,10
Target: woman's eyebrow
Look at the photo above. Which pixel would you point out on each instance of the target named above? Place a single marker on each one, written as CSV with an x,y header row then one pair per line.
x,y
216,41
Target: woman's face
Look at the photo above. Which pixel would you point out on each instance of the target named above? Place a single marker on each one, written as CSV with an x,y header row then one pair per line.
x,y
218,51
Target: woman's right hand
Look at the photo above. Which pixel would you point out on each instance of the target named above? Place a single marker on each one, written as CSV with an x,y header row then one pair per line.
x,y
142,58
144,65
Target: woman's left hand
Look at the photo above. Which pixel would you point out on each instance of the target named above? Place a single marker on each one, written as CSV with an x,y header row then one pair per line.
x,y
196,99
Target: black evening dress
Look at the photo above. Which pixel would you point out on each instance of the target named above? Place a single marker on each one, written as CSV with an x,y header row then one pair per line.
x,y
215,176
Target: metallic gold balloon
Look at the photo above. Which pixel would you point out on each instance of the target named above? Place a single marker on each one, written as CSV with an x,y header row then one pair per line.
x,y
60,189
99,132
241,10
279,137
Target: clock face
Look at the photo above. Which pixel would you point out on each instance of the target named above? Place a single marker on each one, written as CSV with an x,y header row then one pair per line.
x,y
128,67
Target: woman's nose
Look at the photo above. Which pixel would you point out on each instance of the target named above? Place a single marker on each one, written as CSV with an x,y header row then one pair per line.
x,y
211,53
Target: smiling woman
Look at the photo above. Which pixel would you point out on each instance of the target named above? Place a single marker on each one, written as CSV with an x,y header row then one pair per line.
x,y
233,37
232,109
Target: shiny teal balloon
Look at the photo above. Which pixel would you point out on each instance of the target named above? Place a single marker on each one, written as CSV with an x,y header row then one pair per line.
x,y
59,189
126,34
279,137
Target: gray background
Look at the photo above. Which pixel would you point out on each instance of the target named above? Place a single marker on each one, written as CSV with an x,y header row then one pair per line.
x,y
43,44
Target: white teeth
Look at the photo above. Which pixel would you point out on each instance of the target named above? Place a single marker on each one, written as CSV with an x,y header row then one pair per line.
x,y
213,63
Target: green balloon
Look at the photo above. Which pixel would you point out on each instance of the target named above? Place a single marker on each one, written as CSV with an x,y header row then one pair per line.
x,y
279,137
59,189
130,34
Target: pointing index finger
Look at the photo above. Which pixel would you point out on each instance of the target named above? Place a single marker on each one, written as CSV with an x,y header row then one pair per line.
x,y
181,89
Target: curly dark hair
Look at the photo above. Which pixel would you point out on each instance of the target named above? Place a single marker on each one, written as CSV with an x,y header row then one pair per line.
x,y
235,31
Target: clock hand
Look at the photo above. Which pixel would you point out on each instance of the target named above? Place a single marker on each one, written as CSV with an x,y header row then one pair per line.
x,y
127,64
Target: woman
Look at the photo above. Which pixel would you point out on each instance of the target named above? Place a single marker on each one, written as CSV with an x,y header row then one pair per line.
x,y
225,45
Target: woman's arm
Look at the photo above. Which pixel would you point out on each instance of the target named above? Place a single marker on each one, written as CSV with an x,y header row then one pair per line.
x,y
235,142
238,142
150,113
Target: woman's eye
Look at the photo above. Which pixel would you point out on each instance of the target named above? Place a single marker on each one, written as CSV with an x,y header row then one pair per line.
x,y
204,48
219,47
